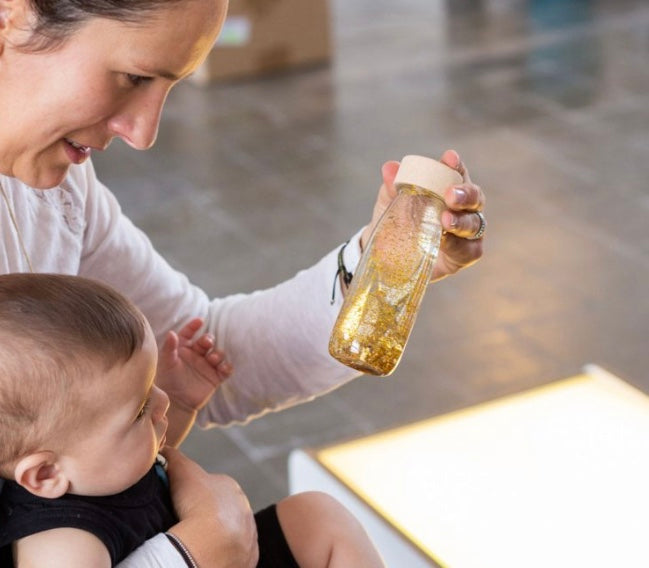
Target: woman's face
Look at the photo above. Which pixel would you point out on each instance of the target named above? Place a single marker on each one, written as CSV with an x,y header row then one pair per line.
x,y
107,79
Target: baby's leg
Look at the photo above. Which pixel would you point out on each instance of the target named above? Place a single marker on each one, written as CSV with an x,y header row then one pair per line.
x,y
323,534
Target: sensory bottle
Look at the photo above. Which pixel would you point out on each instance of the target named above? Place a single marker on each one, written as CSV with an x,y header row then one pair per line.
x,y
385,293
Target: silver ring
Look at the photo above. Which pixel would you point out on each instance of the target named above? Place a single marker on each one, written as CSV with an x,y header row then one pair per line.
x,y
481,229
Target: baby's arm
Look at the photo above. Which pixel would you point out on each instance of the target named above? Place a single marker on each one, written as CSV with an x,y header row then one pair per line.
x,y
61,548
189,371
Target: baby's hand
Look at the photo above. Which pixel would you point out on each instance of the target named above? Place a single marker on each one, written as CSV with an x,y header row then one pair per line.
x,y
190,370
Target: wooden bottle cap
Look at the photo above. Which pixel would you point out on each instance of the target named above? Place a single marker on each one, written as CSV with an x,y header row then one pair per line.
x,y
427,173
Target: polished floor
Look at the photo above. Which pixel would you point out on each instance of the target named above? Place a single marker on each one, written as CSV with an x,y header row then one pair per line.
x,y
548,104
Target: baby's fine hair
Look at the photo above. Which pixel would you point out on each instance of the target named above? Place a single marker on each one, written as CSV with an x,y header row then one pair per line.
x,y
54,331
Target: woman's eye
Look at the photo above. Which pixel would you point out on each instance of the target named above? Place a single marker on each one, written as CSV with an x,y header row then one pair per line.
x,y
137,80
143,410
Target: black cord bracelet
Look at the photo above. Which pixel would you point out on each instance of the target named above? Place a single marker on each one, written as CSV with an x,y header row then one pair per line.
x,y
345,275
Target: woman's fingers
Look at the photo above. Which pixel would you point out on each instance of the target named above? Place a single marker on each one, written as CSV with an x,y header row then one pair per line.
x,y
465,224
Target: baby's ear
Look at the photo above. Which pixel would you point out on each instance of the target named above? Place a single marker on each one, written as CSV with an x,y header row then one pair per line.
x,y
41,474
13,13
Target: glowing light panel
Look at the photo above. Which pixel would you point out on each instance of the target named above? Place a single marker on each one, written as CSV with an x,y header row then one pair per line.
x,y
556,476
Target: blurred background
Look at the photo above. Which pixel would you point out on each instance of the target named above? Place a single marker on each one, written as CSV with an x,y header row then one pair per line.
x,y
263,166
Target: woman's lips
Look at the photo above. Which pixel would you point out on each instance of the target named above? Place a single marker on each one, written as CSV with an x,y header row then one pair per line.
x,y
76,152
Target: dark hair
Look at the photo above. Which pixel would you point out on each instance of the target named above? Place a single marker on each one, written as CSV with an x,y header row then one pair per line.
x,y
57,19
54,331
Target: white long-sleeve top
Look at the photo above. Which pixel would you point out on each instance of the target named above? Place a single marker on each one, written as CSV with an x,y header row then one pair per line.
x,y
276,339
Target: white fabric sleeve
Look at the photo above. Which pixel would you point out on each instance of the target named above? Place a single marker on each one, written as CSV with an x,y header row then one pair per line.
x,y
157,552
276,339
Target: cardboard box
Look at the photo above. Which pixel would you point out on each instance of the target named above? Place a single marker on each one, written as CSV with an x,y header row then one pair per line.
x,y
265,36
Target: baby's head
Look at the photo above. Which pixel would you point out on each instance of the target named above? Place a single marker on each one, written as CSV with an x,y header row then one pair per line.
x,y
78,409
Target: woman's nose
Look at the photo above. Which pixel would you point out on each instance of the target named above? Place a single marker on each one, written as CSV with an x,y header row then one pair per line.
x,y
137,121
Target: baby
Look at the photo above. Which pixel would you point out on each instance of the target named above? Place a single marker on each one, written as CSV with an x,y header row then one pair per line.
x,y
81,425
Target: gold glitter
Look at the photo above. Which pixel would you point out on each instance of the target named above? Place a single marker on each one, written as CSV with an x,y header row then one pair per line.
x,y
381,304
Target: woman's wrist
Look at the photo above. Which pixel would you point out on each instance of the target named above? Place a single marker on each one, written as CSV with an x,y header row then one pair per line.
x,y
182,549
346,261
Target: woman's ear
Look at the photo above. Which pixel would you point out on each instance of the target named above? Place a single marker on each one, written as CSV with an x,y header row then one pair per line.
x,y
41,474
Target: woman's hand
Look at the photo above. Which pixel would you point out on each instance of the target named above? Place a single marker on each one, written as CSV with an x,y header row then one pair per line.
x,y
460,221
190,370
216,522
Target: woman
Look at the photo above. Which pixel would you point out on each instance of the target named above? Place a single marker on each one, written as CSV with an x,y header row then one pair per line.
x,y
74,74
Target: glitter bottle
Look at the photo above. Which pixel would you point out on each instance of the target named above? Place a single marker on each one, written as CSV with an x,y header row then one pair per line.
x,y
381,304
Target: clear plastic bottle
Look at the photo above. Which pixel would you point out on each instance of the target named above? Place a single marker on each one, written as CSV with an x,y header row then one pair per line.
x,y
381,304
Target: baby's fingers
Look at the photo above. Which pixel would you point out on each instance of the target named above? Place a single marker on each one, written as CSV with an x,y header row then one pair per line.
x,y
218,361
168,352
203,345
190,328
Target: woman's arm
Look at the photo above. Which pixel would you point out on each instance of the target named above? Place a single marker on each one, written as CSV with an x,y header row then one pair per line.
x,y
300,313
268,373
276,339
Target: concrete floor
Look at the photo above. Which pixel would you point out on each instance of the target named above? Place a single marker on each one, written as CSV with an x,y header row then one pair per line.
x,y
548,104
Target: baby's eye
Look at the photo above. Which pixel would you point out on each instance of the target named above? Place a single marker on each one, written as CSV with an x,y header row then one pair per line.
x,y
143,410
137,80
